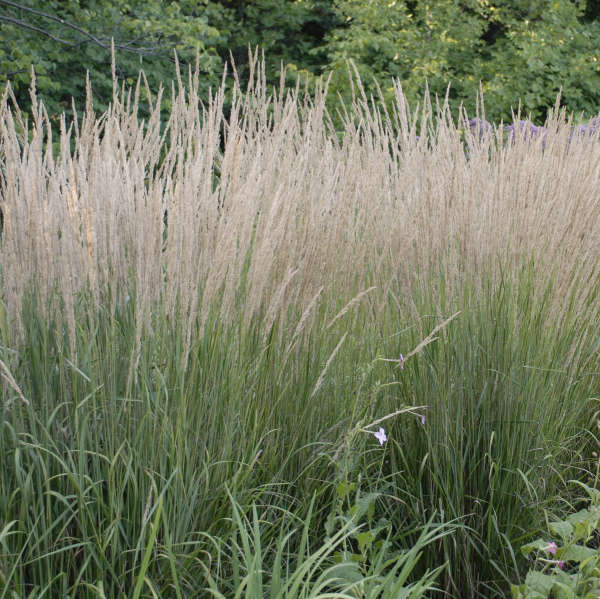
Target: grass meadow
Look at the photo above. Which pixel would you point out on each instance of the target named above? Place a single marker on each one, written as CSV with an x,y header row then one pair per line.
x,y
205,320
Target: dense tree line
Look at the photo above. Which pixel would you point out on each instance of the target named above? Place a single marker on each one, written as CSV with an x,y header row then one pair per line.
x,y
523,50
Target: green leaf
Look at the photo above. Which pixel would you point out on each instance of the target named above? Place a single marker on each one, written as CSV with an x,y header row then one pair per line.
x,y
576,553
141,578
540,585
563,529
537,545
344,488
365,540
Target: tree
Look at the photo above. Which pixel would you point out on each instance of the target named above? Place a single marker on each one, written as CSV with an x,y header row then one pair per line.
x,y
290,32
416,42
545,50
63,39
520,50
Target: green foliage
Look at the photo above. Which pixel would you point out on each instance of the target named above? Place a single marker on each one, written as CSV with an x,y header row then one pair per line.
x,y
525,52
64,40
116,487
284,566
430,43
290,32
543,51
570,567
519,51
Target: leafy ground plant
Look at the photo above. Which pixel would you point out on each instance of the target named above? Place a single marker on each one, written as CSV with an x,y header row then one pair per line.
x,y
568,567
284,569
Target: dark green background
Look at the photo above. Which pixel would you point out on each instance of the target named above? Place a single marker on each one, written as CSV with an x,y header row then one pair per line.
x,y
520,50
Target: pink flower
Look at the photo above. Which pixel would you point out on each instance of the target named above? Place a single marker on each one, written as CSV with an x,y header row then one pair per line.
x,y
561,564
380,436
551,548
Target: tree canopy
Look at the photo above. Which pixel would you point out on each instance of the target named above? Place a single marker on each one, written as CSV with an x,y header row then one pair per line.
x,y
517,50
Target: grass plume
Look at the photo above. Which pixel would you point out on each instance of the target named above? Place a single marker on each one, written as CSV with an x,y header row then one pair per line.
x,y
195,313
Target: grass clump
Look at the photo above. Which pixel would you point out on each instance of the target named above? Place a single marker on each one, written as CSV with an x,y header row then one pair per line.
x,y
200,317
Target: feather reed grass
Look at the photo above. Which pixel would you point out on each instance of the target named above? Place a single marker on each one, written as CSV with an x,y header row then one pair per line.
x,y
196,312
270,190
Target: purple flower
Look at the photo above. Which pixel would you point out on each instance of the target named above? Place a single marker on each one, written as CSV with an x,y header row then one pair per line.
x,y
578,132
551,548
423,420
595,122
561,564
480,128
527,130
582,131
380,436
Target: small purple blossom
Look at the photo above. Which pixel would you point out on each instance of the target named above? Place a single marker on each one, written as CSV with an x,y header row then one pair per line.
x,y
580,132
527,130
380,436
551,548
423,420
594,125
561,564
480,128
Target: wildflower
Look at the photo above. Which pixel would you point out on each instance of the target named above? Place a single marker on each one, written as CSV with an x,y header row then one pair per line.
x,y
561,564
528,130
380,436
551,548
480,128
423,420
